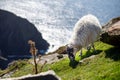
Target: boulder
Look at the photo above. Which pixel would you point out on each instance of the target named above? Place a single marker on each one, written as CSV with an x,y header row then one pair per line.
x,y
61,50
111,32
49,75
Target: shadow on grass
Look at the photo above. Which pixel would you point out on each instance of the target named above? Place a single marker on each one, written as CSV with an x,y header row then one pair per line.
x,y
90,53
74,63
113,53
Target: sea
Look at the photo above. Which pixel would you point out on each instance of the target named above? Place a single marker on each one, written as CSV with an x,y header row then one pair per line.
x,y
55,19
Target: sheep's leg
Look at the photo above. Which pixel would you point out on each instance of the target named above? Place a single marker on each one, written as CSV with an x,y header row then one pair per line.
x,y
94,48
88,48
81,52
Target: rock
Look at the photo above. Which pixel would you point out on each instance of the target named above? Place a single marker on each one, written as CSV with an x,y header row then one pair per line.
x,y
114,29
49,75
14,35
111,32
61,50
50,58
60,56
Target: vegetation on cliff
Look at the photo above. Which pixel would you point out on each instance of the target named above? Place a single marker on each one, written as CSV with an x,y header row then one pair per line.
x,y
104,66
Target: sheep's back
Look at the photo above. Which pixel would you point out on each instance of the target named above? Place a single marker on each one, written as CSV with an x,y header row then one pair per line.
x,y
86,31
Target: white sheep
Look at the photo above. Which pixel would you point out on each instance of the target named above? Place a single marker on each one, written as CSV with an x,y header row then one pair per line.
x,y
85,32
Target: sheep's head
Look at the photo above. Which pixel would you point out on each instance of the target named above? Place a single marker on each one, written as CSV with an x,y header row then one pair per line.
x,y
70,51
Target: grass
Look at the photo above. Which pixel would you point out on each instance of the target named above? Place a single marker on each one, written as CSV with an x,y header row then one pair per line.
x,y
105,66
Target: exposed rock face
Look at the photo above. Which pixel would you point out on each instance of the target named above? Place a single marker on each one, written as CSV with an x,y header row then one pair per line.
x,y
15,33
111,32
49,75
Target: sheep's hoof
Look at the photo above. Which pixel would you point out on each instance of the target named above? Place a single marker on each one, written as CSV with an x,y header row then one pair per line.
x,y
80,55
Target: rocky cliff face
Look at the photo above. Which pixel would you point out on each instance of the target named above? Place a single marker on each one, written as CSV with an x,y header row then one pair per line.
x,y
111,32
15,33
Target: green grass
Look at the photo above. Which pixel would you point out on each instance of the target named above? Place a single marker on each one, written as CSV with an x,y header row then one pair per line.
x,y
105,66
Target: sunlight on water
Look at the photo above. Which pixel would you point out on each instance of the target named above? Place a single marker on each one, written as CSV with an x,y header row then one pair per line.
x,y
56,18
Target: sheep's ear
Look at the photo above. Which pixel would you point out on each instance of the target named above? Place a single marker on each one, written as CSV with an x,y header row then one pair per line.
x,y
69,45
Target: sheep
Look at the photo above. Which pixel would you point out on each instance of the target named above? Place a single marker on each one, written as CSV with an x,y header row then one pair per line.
x,y
85,33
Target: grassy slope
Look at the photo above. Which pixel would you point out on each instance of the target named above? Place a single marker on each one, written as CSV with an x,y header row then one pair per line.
x,y
105,66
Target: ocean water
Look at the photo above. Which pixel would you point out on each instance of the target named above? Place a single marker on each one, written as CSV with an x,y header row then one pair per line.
x,y
55,19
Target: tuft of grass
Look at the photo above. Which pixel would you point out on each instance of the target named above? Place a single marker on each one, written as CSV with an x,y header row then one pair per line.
x,y
15,65
27,69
